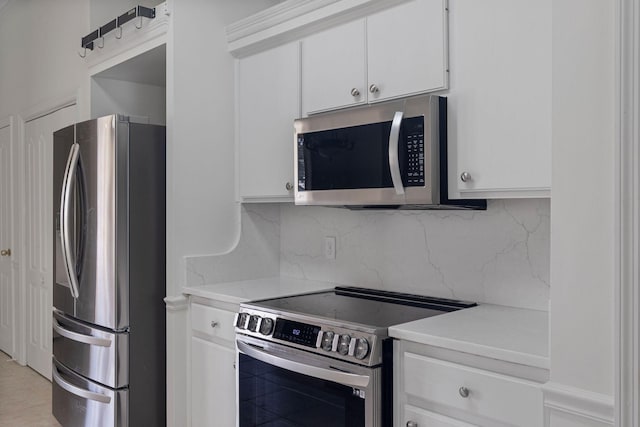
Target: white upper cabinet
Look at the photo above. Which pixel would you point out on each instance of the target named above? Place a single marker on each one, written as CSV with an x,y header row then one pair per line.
x,y
268,102
393,53
500,98
334,74
407,49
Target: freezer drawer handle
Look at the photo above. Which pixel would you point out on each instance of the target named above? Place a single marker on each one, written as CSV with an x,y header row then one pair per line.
x,y
86,339
80,392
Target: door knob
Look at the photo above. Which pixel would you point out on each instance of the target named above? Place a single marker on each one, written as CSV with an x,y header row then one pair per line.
x,y
5,252
374,89
288,186
355,92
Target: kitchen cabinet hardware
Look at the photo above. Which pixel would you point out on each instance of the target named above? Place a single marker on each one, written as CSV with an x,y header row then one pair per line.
x,y
355,92
288,186
464,392
465,177
374,89
5,252
412,424
214,324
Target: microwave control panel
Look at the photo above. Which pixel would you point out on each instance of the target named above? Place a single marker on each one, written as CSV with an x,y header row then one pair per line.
x,y
415,160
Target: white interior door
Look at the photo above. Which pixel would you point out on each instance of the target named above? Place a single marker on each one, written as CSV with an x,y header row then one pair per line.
x,y
7,290
38,152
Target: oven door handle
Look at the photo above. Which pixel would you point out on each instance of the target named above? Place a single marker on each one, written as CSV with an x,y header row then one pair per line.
x,y
341,377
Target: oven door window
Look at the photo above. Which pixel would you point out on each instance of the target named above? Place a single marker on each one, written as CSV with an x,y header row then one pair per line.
x,y
272,396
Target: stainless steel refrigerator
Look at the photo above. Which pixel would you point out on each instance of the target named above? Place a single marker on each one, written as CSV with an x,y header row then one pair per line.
x,y
109,274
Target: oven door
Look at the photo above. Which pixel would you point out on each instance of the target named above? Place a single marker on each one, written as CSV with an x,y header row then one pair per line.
x,y
279,385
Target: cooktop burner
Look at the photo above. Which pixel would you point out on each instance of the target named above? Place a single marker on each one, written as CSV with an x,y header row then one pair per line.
x,y
368,307
346,323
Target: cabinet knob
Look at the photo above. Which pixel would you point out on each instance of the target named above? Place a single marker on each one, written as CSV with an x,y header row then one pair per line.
x,y
465,177
214,324
464,392
355,92
412,424
288,186
374,89
5,252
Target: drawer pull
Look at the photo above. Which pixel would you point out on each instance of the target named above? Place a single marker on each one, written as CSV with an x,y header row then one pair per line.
x,y
412,424
464,392
214,324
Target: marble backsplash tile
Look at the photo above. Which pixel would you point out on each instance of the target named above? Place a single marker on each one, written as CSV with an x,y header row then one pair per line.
x,y
498,256
256,255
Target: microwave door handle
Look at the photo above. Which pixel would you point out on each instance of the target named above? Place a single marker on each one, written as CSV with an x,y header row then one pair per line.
x,y
344,378
65,218
394,164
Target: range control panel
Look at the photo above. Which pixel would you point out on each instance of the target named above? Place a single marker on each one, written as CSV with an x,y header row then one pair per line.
x,y
341,343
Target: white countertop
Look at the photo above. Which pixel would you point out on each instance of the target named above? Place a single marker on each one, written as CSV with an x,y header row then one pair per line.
x,y
250,290
498,332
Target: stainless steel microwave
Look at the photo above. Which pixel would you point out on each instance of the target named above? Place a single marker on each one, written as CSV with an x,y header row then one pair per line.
x,y
389,155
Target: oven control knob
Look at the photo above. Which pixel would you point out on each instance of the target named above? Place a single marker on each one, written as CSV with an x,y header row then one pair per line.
x,y
362,348
242,320
327,341
266,327
343,344
253,323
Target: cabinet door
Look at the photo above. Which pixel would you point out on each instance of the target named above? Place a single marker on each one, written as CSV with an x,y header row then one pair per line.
x,y
500,98
213,383
406,49
333,68
268,103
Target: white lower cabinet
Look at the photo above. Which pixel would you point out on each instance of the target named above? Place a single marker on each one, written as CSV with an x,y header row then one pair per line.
x,y
213,383
416,417
435,392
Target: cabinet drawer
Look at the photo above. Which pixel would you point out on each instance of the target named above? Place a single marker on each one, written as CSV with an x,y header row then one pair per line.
x,y
424,418
490,395
212,322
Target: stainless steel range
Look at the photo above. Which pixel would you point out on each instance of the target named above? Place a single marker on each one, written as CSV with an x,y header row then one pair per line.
x,y
324,358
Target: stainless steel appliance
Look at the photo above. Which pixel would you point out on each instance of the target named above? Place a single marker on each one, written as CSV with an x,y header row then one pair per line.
x,y
109,274
387,155
324,358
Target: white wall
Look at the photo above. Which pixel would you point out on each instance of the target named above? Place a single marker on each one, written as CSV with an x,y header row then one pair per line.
x,y
582,220
201,210
129,98
39,63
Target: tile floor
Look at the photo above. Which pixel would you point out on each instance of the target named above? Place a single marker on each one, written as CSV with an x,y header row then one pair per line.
x,y
25,396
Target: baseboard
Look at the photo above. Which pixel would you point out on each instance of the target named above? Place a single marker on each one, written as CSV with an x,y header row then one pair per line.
x,y
583,406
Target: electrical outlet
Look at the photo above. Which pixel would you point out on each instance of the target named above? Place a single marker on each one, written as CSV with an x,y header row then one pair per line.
x,y
330,247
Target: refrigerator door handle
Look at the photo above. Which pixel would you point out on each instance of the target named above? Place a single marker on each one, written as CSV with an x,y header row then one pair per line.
x,y
80,392
75,336
65,218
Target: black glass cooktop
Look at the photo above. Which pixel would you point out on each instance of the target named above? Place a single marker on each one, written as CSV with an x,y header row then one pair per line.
x,y
369,307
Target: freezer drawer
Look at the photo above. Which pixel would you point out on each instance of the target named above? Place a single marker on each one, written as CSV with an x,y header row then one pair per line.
x,y
95,353
78,402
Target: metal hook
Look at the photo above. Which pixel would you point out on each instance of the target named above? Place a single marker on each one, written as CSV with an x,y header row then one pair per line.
x,y
140,24
119,36
85,53
101,45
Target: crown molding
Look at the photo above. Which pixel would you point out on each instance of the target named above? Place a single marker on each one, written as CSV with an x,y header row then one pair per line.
x,y
294,19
